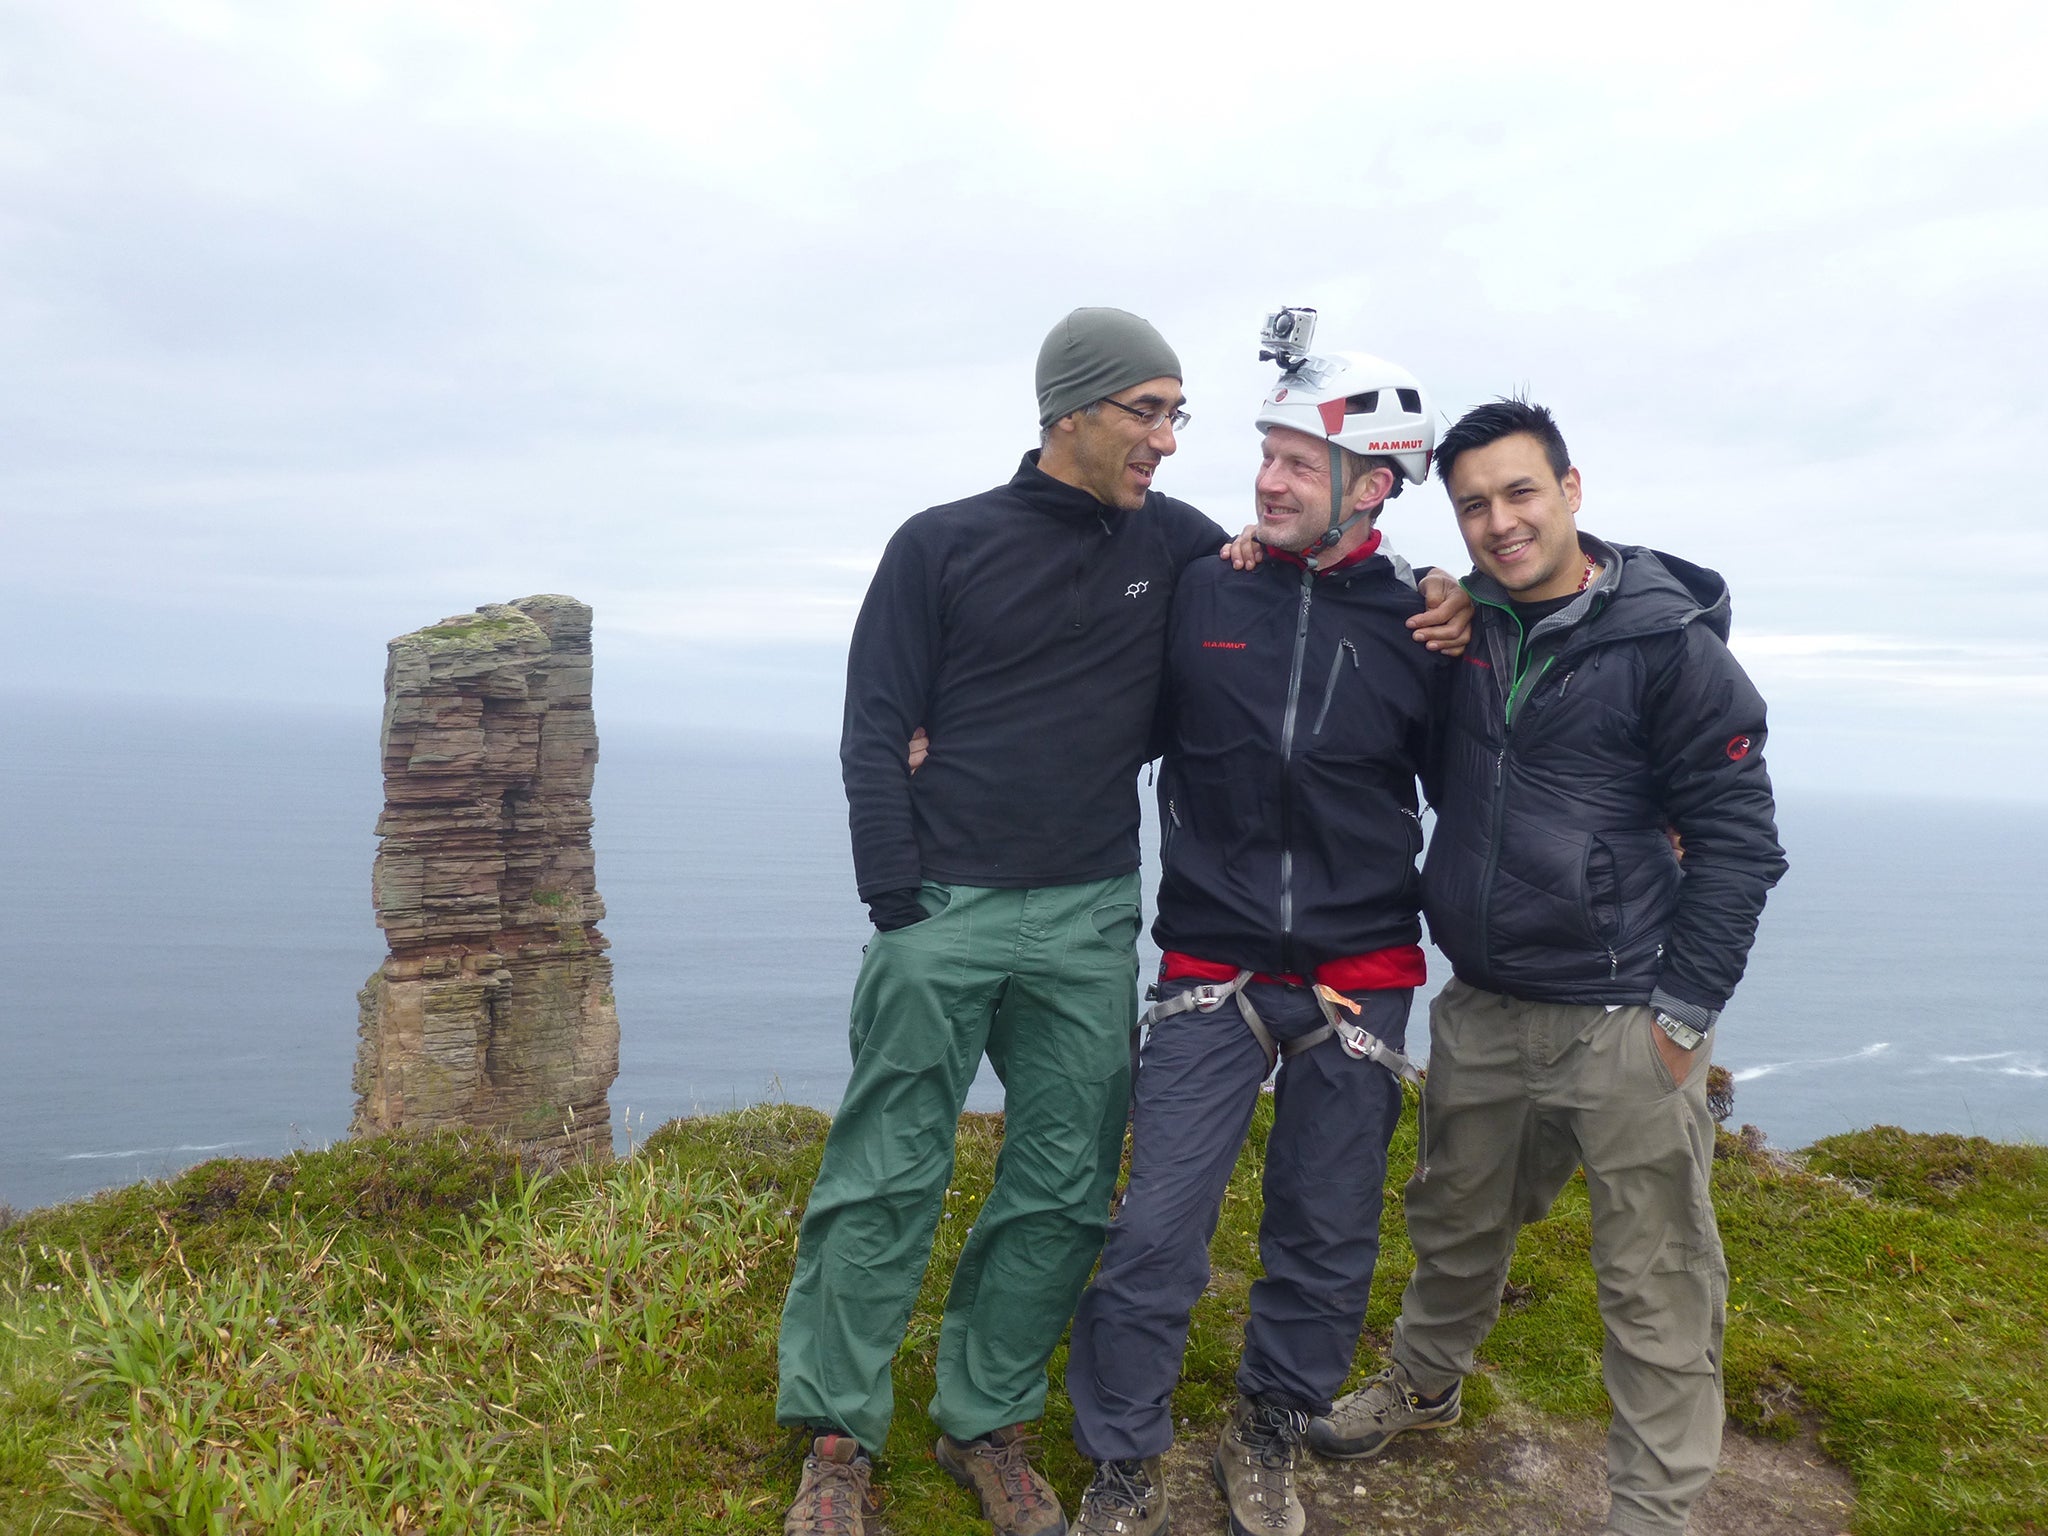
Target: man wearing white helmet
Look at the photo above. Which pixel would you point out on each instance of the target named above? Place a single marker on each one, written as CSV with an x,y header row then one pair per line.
x,y
1296,711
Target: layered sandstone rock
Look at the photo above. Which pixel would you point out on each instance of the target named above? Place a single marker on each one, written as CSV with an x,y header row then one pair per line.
x,y
494,1007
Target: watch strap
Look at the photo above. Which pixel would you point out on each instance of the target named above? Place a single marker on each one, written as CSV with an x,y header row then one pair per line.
x,y
1681,1033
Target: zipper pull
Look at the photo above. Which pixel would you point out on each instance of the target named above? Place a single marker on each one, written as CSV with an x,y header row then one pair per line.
x,y
1346,645
1172,812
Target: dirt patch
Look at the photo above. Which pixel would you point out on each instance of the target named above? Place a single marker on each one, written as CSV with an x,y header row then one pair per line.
x,y
1518,1473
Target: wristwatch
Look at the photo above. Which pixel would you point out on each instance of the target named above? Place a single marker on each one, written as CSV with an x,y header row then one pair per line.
x,y
1683,1035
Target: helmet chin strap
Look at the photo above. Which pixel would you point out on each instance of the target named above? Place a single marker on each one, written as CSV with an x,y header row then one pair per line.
x,y
1340,525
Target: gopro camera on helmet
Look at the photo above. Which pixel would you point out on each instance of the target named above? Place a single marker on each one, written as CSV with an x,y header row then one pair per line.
x,y
1286,336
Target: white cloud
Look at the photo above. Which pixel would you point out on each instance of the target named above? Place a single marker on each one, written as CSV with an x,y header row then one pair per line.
x,y
2016,673
388,309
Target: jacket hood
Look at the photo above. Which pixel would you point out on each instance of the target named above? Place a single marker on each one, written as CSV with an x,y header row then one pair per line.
x,y
1639,591
1655,591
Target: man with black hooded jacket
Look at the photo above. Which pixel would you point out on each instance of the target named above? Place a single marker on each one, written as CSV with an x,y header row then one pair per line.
x,y
1597,705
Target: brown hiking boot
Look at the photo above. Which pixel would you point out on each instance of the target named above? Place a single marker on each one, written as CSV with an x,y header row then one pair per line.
x,y
1254,1467
1127,1498
833,1499
1014,1498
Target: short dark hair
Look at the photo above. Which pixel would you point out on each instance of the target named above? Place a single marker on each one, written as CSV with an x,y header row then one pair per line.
x,y
1358,465
1093,408
1498,419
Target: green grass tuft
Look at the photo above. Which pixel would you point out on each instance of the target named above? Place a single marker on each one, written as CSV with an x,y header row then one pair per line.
x,y
399,1190
476,631
419,1335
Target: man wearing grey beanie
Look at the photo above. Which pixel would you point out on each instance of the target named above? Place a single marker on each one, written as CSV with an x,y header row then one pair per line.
x,y
1025,628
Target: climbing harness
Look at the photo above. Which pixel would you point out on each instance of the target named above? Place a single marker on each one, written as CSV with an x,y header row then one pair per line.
x,y
1358,1042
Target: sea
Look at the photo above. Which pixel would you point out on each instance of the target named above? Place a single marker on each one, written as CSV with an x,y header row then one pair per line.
x,y
187,920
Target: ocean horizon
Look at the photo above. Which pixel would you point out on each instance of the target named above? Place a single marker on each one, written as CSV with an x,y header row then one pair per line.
x,y
191,921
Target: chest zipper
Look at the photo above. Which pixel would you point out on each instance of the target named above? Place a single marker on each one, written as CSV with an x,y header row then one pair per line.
x,y
1344,648
1308,579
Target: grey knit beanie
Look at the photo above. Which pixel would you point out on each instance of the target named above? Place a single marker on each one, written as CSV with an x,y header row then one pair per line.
x,y
1096,352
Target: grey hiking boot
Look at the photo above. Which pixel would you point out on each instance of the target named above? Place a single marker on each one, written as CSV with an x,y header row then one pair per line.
x,y
1127,1498
1361,1423
1254,1466
1014,1498
833,1499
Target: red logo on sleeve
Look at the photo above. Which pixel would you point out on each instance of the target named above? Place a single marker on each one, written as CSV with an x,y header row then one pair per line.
x,y
1738,748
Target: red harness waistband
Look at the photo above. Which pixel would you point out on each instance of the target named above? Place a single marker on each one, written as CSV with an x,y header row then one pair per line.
x,y
1381,971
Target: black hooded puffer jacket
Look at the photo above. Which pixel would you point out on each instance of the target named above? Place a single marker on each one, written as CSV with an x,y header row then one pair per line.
x,y
1549,875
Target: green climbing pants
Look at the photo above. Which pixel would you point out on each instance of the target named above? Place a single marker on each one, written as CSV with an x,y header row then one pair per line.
x,y
1045,982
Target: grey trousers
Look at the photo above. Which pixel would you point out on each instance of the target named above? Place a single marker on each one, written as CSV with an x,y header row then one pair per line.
x,y
1520,1095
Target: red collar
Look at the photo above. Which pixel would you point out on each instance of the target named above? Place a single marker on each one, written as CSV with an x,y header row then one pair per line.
x,y
1364,551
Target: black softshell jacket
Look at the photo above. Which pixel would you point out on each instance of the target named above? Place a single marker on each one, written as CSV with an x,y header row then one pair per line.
x,y
1296,715
1024,628
1549,875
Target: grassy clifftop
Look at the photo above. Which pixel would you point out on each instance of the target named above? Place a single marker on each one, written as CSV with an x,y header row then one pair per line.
x,y
417,1335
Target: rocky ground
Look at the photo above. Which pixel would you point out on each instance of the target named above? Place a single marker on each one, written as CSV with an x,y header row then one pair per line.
x,y
1521,1474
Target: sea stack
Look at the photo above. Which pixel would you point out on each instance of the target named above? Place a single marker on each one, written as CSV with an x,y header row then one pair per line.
x,y
494,1007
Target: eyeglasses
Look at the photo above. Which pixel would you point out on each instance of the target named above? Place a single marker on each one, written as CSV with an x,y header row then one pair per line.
x,y
1152,420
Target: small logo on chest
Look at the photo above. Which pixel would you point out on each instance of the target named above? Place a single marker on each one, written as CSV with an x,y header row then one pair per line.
x,y
1222,645
1137,589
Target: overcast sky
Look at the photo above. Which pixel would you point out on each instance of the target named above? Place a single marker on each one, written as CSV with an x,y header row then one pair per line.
x,y
321,322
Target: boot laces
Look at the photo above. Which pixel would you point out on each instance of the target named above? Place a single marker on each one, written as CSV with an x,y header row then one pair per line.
x,y
1120,1487
839,1490
1012,1462
1381,1399
1271,1434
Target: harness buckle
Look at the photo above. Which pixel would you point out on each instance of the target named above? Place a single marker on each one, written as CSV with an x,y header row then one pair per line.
x,y
1209,996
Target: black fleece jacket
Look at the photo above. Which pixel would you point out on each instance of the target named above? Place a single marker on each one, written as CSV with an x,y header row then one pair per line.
x,y
1549,876
1024,628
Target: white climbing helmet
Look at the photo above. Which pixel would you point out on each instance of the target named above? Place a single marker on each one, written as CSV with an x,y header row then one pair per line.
x,y
1359,402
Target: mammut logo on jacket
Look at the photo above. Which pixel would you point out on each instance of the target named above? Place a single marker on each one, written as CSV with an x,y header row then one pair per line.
x,y
1137,587
1222,645
1738,748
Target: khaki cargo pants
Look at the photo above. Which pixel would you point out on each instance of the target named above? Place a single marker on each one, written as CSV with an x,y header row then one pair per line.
x,y
1520,1095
